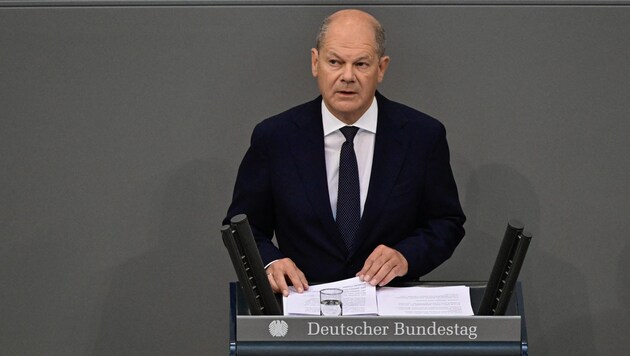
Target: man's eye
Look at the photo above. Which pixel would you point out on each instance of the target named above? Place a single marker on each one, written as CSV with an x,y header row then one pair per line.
x,y
333,61
362,64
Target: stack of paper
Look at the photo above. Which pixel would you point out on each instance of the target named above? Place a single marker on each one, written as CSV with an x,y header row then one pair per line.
x,y
361,298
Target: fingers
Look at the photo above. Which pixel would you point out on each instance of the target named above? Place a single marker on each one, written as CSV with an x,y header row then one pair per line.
x,y
282,271
272,282
383,265
298,280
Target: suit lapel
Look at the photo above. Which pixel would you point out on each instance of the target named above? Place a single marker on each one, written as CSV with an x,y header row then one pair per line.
x,y
389,155
308,152
390,149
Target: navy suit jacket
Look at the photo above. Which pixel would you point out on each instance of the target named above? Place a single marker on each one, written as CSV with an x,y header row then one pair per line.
x,y
412,203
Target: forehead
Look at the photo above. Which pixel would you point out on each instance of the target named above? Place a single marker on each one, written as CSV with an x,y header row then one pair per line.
x,y
350,35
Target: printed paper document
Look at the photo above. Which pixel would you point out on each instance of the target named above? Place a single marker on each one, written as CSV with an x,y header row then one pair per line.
x,y
361,298
452,300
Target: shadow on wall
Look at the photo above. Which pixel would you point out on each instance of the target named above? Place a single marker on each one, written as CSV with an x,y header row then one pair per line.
x,y
170,300
614,322
496,193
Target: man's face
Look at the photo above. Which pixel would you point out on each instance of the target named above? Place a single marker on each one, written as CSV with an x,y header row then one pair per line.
x,y
348,68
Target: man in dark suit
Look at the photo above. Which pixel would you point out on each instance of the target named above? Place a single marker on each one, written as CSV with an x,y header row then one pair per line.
x,y
351,183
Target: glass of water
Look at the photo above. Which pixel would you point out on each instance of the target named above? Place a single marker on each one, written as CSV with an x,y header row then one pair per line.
x,y
330,301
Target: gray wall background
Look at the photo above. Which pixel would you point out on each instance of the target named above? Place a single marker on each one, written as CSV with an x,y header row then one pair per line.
x,y
121,130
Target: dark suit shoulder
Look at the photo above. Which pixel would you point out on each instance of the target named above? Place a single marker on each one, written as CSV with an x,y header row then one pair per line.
x,y
290,119
409,117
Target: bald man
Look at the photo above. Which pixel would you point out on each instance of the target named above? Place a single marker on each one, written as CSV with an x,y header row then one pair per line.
x,y
351,183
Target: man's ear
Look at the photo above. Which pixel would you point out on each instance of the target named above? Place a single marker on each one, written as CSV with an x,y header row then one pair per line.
x,y
383,63
314,61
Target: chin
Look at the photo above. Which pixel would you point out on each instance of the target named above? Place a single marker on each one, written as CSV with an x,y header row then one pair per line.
x,y
347,105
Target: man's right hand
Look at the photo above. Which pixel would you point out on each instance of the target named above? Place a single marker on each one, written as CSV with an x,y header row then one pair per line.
x,y
283,270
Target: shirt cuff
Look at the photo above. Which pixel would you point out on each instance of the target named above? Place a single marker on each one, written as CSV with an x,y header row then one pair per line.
x,y
270,263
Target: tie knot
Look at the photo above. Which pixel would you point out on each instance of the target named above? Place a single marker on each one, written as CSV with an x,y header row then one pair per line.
x,y
349,132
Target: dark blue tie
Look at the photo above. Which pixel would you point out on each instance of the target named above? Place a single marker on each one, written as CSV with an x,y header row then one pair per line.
x,y
349,198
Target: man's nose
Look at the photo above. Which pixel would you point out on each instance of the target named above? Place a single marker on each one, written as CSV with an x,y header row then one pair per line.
x,y
348,73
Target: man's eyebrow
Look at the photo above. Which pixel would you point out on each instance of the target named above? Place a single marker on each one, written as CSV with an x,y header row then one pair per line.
x,y
362,58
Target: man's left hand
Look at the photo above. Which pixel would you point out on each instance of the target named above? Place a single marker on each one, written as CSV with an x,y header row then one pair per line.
x,y
383,265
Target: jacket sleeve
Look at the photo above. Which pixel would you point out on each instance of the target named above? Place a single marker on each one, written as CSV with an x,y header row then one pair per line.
x,y
441,219
253,194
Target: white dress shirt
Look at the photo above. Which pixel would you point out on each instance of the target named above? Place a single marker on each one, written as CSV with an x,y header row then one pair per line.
x,y
363,148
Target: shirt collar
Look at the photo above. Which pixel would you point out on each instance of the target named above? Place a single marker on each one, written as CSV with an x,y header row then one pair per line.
x,y
366,122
